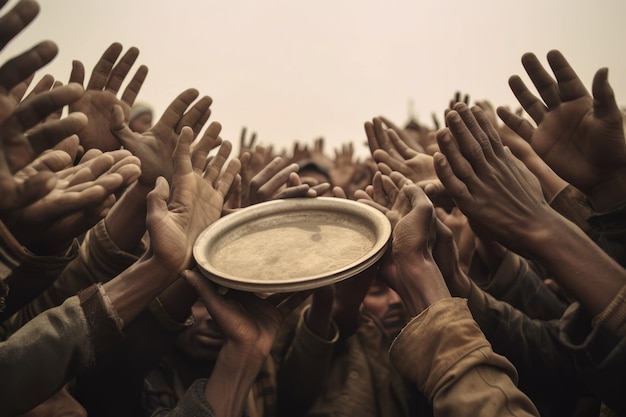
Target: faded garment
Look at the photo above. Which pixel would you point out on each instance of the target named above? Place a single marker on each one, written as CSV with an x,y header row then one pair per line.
x,y
445,354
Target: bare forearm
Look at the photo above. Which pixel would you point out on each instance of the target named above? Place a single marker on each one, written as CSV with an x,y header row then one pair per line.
x,y
230,382
125,222
132,290
578,264
422,286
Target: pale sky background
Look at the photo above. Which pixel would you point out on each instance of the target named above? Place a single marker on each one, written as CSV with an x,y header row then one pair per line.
x,y
295,70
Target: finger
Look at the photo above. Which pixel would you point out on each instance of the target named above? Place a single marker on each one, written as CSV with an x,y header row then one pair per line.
x,y
120,71
362,195
294,192
244,158
93,169
233,196
129,168
531,104
77,75
157,203
493,146
55,161
604,105
386,160
372,142
437,193
102,69
516,123
207,142
228,177
403,149
339,192
398,179
182,165
370,203
473,132
384,168
24,65
51,133
17,93
45,84
383,138
389,123
173,113
544,83
390,188
268,187
196,116
21,194
121,131
378,191
42,105
16,19
201,122
570,85
262,177
454,158
70,146
214,168
369,190
435,121
453,185
469,137
134,86
320,189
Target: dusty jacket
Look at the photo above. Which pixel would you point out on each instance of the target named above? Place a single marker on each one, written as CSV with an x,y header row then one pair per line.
x,y
444,352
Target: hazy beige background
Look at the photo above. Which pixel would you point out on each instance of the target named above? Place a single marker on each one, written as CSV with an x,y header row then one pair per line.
x,y
294,70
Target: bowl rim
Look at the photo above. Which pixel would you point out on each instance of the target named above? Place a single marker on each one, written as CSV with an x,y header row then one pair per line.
x,y
379,222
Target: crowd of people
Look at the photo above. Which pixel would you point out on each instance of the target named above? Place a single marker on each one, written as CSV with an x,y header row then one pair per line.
x,y
502,292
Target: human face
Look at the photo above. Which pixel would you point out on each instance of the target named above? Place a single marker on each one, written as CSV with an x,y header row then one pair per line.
x,y
386,305
203,340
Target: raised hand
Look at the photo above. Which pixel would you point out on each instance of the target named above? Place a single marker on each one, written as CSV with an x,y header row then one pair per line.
x,y
19,149
580,136
504,202
154,147
462,233
246,145
273,182
176,219
101,94
342,169
394,153
413,136
551,183
385,192
82,196
500,193
24,65
409,268
249,325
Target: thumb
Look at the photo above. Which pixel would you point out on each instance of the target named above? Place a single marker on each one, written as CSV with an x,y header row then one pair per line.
x,y
157,202
119,129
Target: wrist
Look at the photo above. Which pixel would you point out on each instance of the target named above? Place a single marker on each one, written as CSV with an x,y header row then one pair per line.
x,y
422,285
132,291
231,380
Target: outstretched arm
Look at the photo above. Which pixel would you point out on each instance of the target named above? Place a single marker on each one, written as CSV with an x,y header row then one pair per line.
x,y
581,136
504,201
